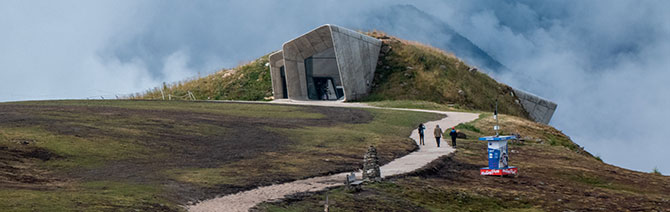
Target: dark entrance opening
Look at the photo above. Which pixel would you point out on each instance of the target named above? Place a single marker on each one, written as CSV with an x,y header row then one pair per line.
x,y
325,88
323,77
283,83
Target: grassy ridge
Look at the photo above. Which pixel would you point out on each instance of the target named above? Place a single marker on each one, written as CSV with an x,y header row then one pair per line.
x,y
412,71
246,82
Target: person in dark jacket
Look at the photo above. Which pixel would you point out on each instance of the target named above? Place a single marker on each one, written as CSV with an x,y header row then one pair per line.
x,y
421,129
438,134
453,135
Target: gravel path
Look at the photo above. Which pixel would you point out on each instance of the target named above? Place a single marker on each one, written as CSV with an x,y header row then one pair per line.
x,y
243,201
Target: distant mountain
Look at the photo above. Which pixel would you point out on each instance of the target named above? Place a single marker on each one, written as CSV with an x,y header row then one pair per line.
x,y
411,23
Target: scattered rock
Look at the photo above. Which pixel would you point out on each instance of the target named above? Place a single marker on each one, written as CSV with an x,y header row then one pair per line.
x,y
461,92
443,67
24,141
410,68
461,135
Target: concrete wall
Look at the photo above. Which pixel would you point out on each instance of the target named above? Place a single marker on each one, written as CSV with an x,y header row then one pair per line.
x,y
276,62
356,57
539,109
295,53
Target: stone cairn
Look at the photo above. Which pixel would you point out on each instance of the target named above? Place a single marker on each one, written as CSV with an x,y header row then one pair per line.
x,y
371,166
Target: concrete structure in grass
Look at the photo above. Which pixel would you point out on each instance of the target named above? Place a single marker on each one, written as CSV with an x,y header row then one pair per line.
x,y
539,109
327,63
335,63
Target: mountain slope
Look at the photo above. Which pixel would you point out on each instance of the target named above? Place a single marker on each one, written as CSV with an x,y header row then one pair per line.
x,y
411,23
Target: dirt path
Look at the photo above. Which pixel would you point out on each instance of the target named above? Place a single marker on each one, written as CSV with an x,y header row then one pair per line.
x,y
243,201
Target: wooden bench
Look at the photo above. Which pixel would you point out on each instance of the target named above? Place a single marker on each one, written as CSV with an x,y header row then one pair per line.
x,y
353,183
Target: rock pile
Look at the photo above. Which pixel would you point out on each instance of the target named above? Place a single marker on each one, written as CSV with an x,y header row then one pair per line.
x,y
371,170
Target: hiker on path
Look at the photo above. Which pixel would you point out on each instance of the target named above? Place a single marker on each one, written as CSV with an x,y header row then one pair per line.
x,y
421,129
438,134
453,135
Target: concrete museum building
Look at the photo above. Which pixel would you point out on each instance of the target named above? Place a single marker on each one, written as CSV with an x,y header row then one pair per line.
x,y
335,63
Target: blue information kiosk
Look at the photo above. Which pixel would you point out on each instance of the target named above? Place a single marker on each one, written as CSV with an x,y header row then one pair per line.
x,y
498,157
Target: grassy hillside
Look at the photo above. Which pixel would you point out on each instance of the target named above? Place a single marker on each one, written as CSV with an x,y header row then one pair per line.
x,y
406,71
412,71
555,175
156,155
246,82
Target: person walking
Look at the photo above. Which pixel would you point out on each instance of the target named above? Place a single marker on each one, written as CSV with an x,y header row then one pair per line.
x,y
453,135
421,129
438,134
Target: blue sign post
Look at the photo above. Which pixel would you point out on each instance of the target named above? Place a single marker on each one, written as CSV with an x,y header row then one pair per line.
x,y
498,156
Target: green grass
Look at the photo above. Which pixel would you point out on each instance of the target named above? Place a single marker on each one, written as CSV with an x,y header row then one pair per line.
x,y
404,196
246,82
337,147
240,109
426,105
126,155
411,71
88,196
75,152
467,126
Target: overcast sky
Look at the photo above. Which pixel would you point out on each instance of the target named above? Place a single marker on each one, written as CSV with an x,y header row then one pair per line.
x,y
604,62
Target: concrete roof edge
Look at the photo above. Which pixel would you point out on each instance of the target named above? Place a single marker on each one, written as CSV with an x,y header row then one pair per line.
x,y
276,53
532,94
365,37
302,35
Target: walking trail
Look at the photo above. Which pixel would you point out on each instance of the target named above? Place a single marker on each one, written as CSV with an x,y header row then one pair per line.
x,y
243,201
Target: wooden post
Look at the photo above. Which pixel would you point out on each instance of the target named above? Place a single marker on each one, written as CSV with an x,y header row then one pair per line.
x,y
325,206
